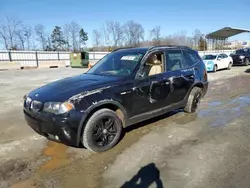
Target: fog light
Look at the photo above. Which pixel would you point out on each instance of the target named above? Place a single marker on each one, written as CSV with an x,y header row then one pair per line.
x,y
56,137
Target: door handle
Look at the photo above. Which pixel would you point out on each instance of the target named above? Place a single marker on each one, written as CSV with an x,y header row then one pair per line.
x,y
196,68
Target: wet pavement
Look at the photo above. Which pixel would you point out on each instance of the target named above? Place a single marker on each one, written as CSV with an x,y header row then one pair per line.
x,y
209,148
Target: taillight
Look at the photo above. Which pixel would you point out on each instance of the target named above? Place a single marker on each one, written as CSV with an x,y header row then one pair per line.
x,y
205,75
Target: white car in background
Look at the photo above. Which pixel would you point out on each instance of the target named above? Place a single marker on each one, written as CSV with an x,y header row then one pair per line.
x,y
215,62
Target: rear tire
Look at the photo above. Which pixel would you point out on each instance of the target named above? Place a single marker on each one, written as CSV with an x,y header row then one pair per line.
x,y
230,66
102,131
193,100
215,68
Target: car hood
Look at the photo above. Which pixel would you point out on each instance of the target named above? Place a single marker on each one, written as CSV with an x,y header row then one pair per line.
x,y
237,55
63,89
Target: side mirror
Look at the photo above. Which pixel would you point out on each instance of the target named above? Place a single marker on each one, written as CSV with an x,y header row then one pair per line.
x,y
219,58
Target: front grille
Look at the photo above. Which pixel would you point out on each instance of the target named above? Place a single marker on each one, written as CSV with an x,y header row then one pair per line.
x,y
36,105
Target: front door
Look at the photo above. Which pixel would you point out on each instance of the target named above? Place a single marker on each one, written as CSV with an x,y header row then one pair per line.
x,y
151,91
220,61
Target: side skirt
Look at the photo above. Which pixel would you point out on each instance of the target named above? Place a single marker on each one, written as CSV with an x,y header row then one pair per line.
x,y
154,113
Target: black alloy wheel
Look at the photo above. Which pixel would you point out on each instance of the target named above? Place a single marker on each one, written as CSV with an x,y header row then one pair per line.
x,y
102,130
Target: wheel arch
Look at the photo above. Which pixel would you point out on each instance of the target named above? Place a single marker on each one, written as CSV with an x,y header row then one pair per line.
x,y
109,104
199,85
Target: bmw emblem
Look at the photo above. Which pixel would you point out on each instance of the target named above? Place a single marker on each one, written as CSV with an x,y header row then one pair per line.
x,y
36,95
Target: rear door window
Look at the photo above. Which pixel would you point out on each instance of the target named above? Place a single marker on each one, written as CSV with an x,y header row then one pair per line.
x,y
174,60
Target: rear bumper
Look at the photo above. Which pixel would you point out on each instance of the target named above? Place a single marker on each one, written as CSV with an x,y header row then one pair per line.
x,y
210,67
55,129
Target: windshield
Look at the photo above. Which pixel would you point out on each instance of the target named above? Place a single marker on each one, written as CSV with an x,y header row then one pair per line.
x,y
118,63
241,51
209,57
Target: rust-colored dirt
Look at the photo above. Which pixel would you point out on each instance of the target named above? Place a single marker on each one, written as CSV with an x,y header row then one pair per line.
x,y
58,158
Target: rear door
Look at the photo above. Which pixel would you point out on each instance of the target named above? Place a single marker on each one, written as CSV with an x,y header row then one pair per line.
x,y
190,71
174,66
226,60
220,61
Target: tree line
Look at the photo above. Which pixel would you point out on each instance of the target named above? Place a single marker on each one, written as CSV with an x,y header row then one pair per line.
x,y
15,35
113,35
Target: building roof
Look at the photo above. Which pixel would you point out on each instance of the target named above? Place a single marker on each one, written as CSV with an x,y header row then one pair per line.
x,y
225,33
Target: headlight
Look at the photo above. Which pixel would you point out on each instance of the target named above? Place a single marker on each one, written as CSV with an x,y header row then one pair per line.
x,y
57,107
242,56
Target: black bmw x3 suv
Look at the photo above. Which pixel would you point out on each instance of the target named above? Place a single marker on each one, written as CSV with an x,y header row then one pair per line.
x,y
125,87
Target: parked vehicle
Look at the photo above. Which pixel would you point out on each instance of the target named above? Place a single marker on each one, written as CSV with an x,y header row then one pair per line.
x,y
241,56
217,61
125,87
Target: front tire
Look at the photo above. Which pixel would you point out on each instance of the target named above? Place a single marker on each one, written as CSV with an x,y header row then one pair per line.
x,y
102,131
193,100
229,66
215,68
246,62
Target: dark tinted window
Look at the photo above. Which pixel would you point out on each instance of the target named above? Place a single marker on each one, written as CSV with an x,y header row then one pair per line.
x,y
241,51
220,56
209,57
174,60
194,56
224,55
191,58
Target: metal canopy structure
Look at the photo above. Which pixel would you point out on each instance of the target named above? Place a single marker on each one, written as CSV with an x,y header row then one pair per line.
x,y
216,40
226,32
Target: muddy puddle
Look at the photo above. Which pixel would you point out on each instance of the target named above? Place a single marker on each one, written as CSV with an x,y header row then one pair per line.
x,y
222,114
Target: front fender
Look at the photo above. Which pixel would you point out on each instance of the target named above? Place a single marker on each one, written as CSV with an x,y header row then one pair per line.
x,y
210,65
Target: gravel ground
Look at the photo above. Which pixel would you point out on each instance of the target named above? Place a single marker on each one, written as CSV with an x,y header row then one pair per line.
x,y
205,149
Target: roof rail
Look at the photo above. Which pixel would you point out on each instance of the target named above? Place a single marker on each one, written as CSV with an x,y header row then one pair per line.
x,y
159,46
122,48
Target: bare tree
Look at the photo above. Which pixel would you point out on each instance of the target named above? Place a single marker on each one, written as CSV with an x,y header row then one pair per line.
x,y
134,33
3,37
8,31
27,31
41,36
114,30
49,44
196,37
66,34
155,35
21,39
74,30
96,38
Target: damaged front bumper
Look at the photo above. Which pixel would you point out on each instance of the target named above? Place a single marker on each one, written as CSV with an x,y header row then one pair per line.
x,y
59,129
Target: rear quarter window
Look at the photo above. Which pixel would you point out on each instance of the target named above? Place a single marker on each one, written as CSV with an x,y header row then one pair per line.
x,y
191,57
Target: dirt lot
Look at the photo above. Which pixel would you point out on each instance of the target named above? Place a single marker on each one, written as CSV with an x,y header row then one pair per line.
x,y
207,149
